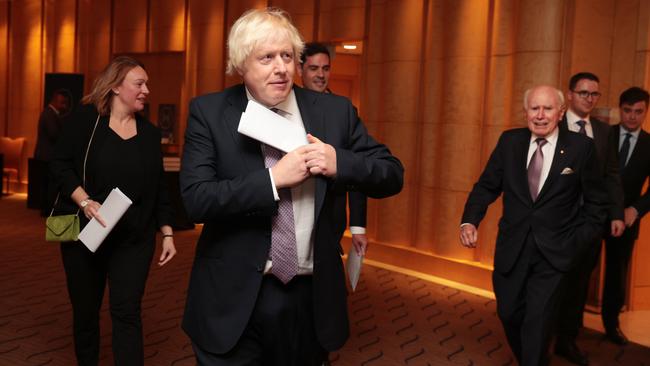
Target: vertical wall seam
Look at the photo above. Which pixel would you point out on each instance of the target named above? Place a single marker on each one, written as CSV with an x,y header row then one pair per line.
x,y
111,37
416,186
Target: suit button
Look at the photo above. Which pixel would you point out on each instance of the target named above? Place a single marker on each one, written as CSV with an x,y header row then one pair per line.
x,y
260,268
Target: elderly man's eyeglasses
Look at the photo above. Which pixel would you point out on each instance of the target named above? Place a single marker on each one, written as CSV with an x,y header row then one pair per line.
x,y
585,94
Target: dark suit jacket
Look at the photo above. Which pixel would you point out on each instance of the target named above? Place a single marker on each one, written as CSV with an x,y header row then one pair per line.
x,y
607,153
635,174
557,221
66,168
49,129
225,185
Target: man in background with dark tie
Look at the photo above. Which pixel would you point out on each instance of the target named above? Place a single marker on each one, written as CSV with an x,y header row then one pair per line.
x,y
582,97
267,285
634,155
314,71
543,174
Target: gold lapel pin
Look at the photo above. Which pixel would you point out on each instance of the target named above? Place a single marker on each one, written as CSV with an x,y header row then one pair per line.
x,y
561,151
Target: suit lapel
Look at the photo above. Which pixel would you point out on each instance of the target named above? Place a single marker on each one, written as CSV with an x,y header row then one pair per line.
x,y
313,120
249,149
521,157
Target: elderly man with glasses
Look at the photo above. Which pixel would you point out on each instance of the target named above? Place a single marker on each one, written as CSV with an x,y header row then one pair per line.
x,y
582,97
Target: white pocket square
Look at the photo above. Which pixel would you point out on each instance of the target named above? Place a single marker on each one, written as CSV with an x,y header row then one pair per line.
x,y
566,171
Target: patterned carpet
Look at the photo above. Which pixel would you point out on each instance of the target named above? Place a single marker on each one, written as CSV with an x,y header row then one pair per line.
x,y
395,319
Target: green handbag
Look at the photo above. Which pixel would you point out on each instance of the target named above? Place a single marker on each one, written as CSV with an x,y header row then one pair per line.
x,y
62,228
66,227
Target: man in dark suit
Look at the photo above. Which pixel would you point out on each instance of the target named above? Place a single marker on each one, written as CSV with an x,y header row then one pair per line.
x,y
50,124
267,285
543,173
634,155
582,96
314,71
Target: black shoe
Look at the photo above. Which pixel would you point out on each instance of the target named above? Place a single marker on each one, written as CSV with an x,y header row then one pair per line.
x,y
569,350
615,335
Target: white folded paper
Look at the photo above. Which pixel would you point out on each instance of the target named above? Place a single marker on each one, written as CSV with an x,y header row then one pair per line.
x,y
111,211
266,126
353,266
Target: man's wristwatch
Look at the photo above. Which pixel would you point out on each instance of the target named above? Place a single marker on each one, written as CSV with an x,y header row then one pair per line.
x,y
84,203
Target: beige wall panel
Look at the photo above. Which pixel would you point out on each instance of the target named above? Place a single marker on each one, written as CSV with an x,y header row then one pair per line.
x,y
622,72
504,27
591,46
94,39
459,143
400,87
25,84
430,155
401,140
341,20
129,26
433,91
448,207
372,94
302,15
63,38
205,53
402,36
167,25
465,28
500,99
540,25
464,90
394,215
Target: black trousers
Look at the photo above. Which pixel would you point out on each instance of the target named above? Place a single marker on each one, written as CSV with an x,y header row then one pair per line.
x,y
618,252
527,299
125,264
575,291
280,331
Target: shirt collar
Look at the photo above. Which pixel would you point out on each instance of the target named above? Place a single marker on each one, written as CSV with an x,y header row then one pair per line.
x,y
551,139
289,106
635,134
572,118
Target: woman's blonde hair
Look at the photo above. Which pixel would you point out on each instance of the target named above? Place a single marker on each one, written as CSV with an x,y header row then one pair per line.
x,y
110,77
257,26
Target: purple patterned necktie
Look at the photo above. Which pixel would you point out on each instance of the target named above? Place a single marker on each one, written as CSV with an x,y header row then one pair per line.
x,y
535,168
284,253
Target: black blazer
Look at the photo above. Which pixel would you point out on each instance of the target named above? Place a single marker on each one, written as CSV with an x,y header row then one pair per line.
x,y
559,224
66,167
607,153
635,174
224,185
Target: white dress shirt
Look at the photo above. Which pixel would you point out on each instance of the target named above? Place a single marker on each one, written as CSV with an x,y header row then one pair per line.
x,y
549,152
302,196
572,123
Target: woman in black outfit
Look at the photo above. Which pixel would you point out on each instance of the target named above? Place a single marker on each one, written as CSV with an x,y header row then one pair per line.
x,y
124,153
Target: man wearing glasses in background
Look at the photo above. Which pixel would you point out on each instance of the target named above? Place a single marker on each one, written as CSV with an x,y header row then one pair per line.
x,y
582,97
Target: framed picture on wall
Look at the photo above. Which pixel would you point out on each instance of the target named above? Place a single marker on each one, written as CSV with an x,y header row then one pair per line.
x,y
167,122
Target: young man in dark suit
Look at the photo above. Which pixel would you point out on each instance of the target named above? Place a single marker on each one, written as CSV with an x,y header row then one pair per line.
x,y
634,155
267,285
582,97
314,70
543,174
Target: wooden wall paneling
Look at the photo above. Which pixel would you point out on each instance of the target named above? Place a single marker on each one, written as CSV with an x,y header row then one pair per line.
x,y
130,20
94,39
167,26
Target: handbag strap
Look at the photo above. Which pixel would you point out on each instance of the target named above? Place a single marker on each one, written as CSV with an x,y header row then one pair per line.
x,y
92,135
